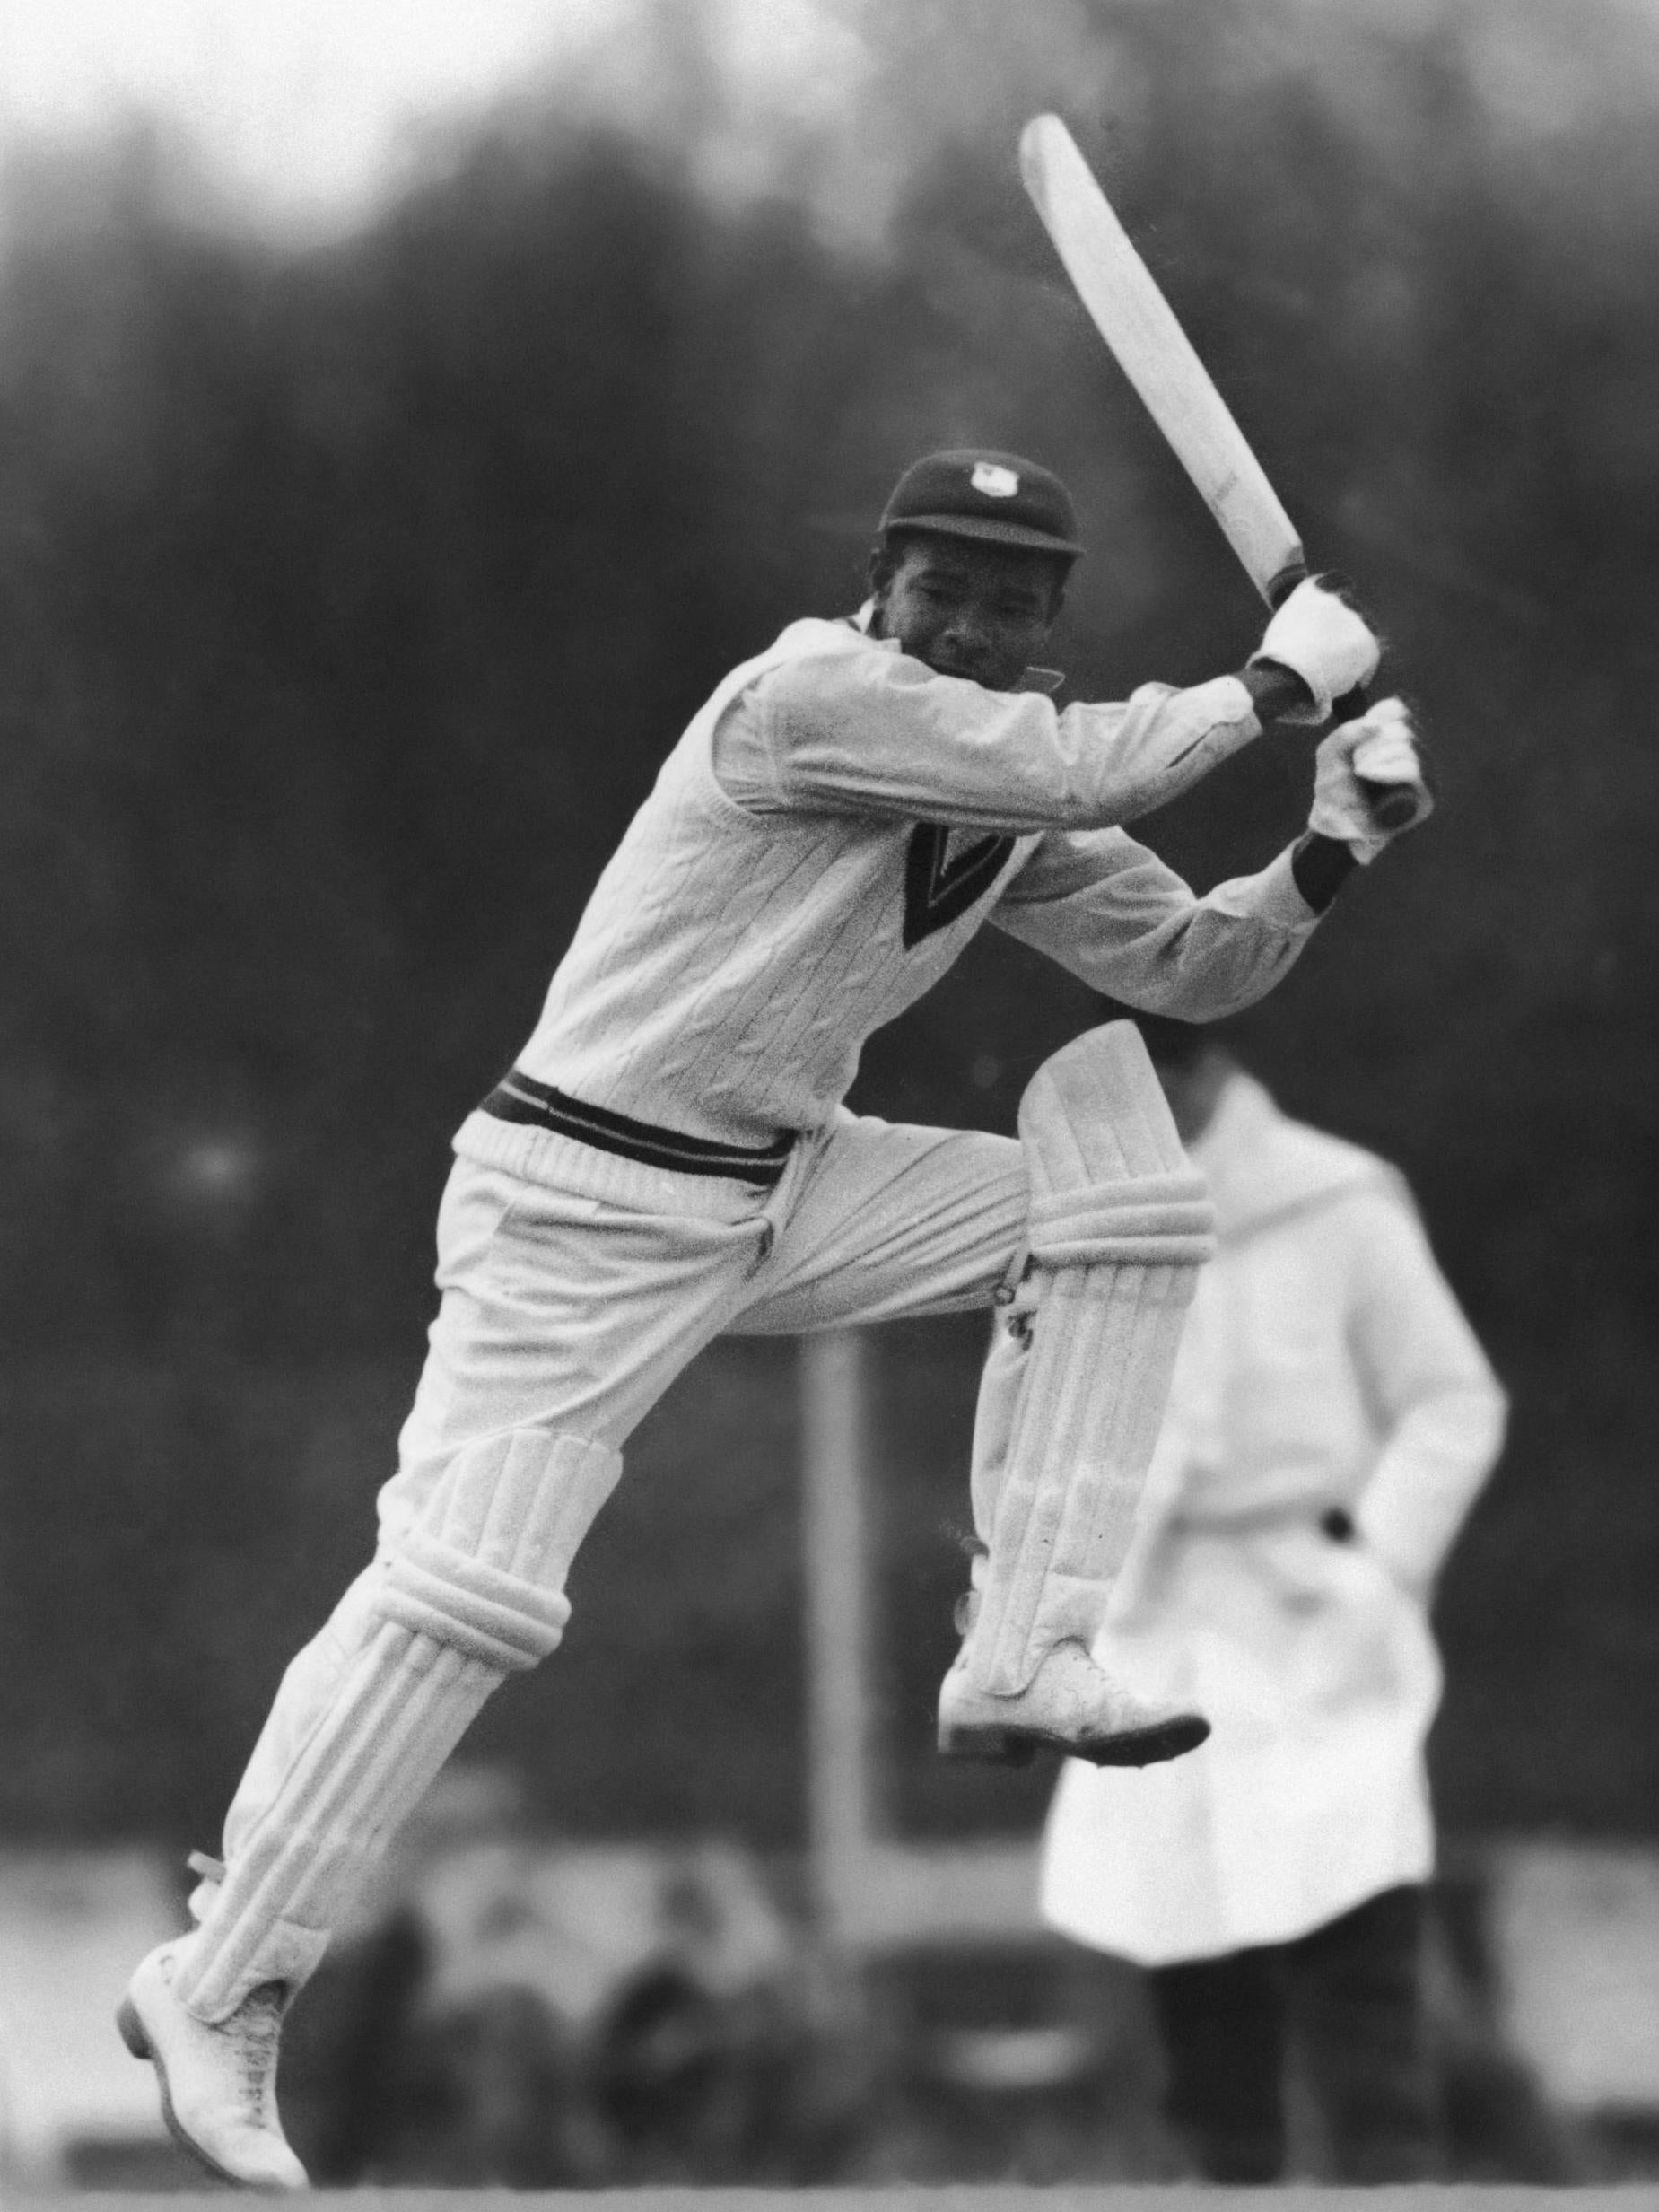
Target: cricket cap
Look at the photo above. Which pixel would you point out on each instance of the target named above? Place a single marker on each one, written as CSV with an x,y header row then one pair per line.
x,y
1000,497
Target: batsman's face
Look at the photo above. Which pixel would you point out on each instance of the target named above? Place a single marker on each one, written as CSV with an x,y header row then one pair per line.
x,y
967,608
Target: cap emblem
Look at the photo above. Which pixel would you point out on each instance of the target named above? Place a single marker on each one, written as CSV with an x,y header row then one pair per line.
x,y
994,482
973,492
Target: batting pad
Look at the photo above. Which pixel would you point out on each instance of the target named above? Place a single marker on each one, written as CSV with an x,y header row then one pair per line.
x,y
475,1592
1120,1223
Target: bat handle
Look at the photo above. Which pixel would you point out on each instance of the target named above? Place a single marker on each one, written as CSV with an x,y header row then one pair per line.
x,y
1392,805
1278,588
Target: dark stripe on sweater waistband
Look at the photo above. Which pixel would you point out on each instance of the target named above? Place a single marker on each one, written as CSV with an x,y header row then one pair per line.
x,y
519,1098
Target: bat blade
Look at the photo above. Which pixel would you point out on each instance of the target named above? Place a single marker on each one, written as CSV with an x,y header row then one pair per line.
x,y
1154,352
1156,355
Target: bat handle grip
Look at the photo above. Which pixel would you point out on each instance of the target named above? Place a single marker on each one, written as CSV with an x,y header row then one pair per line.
x,y
1392,805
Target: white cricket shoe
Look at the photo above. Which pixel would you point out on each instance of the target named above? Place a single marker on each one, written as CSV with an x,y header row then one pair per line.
x,y
218,2081
1070,1705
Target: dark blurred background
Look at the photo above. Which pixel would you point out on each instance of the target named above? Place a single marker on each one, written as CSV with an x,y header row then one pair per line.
x,y
350,591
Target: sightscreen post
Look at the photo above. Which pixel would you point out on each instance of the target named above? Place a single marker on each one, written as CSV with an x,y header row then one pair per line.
x,y
835,1525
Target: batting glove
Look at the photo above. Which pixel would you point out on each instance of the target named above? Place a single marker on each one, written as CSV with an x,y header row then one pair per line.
x,y
1381,748
1317,635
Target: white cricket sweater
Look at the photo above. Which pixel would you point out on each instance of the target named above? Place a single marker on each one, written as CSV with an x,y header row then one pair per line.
x,y
832,828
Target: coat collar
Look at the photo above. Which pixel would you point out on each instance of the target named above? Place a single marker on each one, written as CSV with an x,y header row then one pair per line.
x,y
1262,1167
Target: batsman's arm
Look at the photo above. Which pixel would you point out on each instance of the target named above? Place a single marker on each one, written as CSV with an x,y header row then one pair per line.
x,y
1277,693
878,733
1393,806
1320,865
1120,918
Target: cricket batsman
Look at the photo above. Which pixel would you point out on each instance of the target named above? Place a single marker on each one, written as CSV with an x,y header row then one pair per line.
x,y
669,1160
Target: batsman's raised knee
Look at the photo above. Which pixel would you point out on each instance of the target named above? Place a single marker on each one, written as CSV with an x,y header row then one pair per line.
x,y
1070,1404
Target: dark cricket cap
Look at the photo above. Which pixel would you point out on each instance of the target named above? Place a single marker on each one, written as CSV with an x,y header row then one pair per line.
x,y
969,493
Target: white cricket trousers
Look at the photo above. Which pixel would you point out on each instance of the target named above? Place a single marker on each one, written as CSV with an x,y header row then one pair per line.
x,y
569,1311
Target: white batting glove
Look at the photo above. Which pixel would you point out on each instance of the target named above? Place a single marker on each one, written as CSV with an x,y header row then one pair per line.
x,y
1318,637
1378,749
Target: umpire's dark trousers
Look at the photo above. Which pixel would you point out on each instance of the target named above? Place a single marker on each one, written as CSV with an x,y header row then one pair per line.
x,y
1348,1999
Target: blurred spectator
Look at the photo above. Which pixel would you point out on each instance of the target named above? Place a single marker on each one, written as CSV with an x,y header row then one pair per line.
x,y
1332,1421
538,2015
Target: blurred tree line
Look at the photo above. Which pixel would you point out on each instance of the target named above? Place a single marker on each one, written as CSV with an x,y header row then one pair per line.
x,y
350,597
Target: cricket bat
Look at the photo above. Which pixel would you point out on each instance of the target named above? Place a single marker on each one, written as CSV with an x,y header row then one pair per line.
x,y
1154,352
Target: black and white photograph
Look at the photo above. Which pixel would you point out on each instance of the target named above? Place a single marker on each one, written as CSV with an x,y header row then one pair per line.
x,y
829,1121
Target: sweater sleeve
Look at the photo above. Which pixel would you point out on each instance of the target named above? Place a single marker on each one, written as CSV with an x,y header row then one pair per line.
x,y
1112,913
1441,1410
867,730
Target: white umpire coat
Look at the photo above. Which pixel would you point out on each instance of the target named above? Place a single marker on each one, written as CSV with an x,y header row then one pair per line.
x,y
1325,1364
